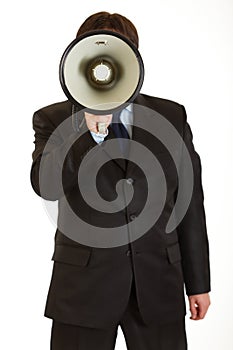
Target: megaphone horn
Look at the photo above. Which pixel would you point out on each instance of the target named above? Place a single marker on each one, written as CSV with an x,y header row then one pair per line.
x,y
100,71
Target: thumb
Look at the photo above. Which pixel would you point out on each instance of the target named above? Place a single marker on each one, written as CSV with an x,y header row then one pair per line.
x,y
193,308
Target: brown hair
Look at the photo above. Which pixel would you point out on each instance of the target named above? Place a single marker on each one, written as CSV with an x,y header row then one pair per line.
x,y
115,22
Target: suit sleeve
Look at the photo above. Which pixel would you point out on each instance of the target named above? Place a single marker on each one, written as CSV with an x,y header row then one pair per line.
x,y
53,156
192,230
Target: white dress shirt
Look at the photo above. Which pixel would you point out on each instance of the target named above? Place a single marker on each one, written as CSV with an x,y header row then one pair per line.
x,y
126,118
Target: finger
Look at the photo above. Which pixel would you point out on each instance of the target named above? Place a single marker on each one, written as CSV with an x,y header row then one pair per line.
x,y
99,118
92,128
193,309
104,119
202,309
92,125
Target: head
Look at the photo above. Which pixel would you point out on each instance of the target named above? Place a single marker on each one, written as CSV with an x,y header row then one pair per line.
x,y
113,22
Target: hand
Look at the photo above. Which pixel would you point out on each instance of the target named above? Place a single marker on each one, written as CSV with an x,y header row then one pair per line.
x,y
199,304
92,120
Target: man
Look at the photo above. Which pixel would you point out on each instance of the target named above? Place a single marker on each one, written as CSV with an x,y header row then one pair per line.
x,y
138,285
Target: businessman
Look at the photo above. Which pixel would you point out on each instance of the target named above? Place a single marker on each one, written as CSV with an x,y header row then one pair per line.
x,y
138,286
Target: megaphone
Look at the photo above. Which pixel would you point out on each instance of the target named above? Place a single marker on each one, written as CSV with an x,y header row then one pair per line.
x,y
101,71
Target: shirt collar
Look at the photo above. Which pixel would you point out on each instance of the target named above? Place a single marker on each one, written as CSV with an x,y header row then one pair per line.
x,y
129,107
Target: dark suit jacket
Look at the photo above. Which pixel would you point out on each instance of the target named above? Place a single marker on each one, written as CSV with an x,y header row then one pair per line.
x,y
90,286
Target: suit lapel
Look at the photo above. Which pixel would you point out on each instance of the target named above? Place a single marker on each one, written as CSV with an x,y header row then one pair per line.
x,y
137,135
121,162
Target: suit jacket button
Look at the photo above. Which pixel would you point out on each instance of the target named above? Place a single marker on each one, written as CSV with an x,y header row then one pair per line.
x,y
128,253
132,217
129,181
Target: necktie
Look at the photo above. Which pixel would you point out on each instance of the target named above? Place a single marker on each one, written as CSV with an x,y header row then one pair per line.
x,y
120,132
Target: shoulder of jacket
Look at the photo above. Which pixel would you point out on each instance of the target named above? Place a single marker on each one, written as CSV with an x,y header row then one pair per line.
x,y
173,111
154,100
55,112
55,107
169,108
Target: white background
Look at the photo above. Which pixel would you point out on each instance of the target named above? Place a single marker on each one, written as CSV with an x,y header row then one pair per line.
x,y
188,53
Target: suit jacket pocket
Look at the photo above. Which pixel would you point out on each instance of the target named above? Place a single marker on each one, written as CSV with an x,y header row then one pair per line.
x,y
71,255
173,253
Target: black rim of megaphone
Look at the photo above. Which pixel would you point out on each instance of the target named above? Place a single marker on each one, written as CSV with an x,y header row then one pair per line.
x,y
62,78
